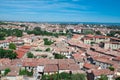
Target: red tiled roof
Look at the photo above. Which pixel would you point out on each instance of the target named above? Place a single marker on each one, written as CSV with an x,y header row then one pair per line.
x,y
89,35
31,64
26,47
105,61
22,50
99,72
63,66
78,57
116,58
51,68
90,66
74,67
78,44
101,36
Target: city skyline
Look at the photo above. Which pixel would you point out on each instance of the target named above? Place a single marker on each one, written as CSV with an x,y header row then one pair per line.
x,y
60,10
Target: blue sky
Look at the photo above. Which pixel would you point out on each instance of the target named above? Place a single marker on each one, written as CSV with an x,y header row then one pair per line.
x,y
60,10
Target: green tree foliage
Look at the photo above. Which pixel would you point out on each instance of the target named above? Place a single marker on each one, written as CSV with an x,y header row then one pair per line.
x,y
2,35
38,50
22,72
117,78
88,32
112,33
78,77
103,77
48,49
111,68
25,72
64,76
12,46
7,70
38,31
46,77
7,54
59,56
69,34
98,32
10,32
114,27
3,23
30,55
47,42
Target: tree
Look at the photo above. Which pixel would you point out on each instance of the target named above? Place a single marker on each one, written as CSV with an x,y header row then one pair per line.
x,y
22,71
118,78
37,29
78,77
64,75
19,33
30,73
30,55
7,70
25,72
48,49
2,35
88,32
111,68
103,77
7,54
111,34
10,32
98,32
47,42
12,46
69,34
12,55
59,56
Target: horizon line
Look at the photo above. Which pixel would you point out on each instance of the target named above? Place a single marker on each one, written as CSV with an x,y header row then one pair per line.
x,y
59,21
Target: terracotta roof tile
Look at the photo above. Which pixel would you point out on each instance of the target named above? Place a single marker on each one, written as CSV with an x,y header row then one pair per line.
x,y
99,72
51,68
90,66
74,67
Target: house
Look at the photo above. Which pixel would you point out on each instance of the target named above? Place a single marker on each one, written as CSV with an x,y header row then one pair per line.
x,y
77,36
112,45
96,73
28,39
79,59
63,67
12,75
14,71
116,59
4,43
112,39
74,68
77,29
50,69
18,42
94,39
103,63
87,40
21,51
89,66
63,51
78,44
99,39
